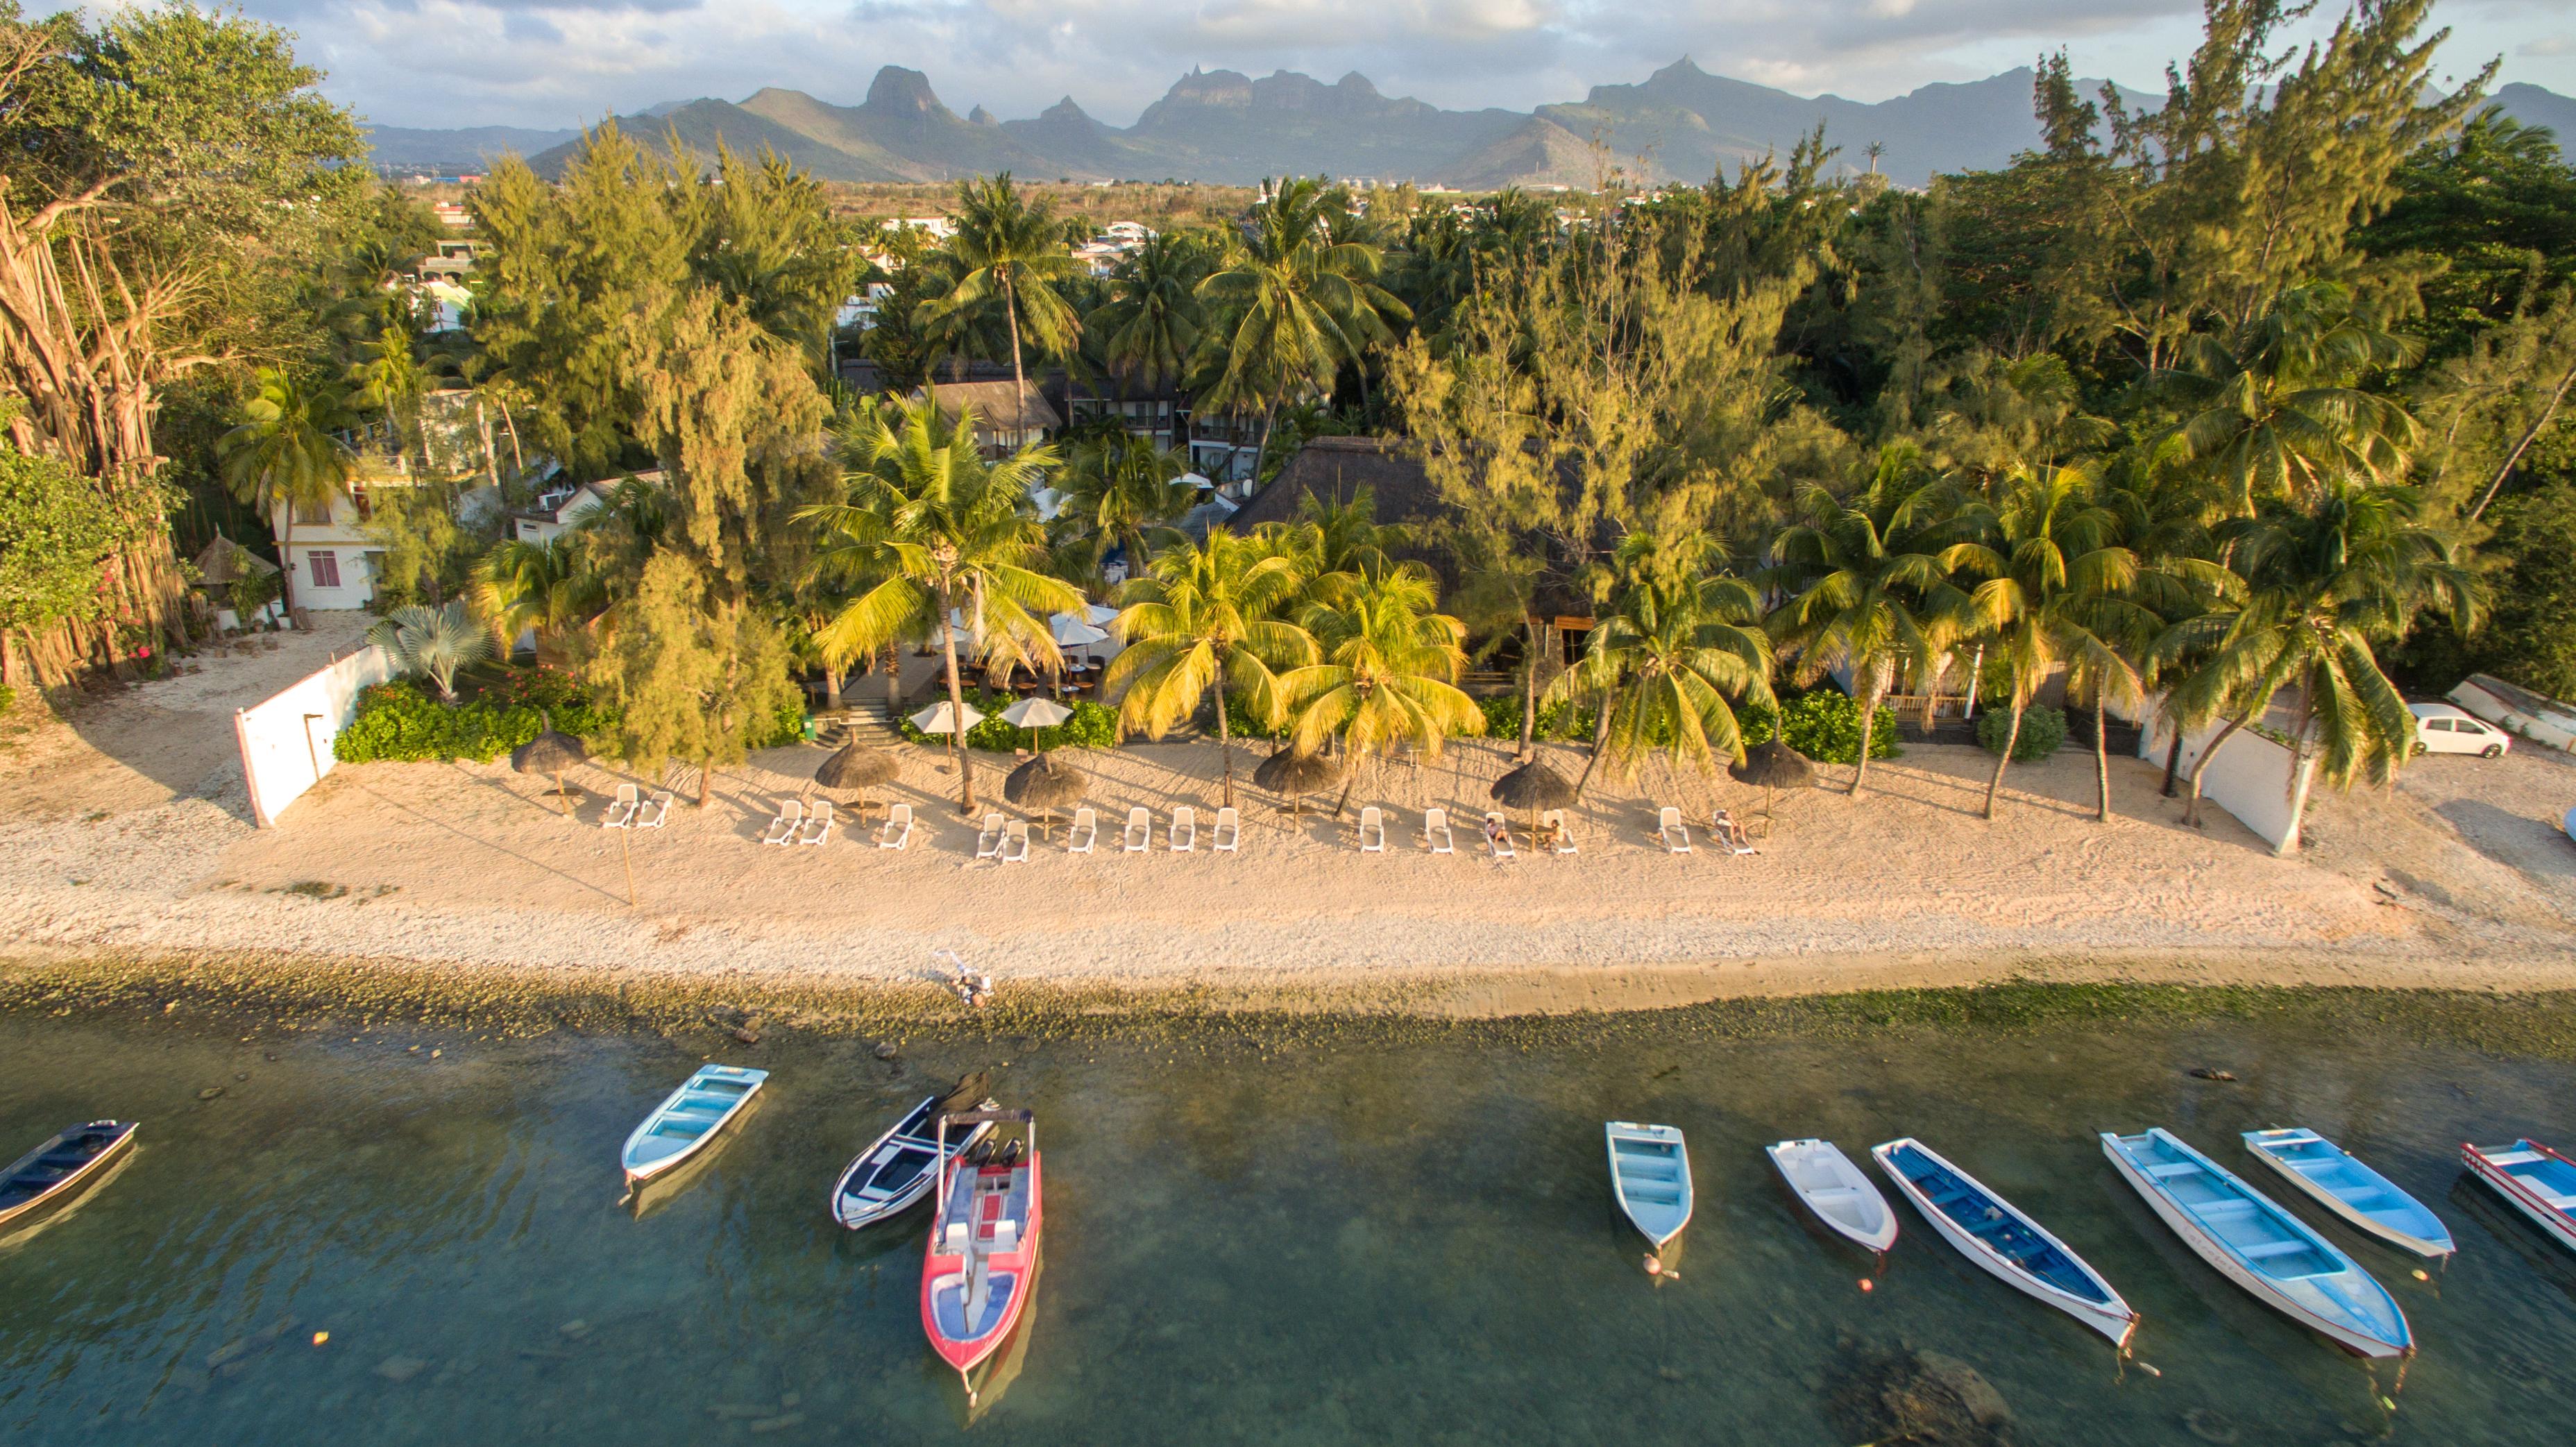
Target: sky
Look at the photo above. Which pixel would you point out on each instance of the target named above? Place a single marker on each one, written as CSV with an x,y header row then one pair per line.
x,y
562,63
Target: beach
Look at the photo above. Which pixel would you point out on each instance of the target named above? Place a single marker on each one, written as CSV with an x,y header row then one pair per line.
x,y
124,833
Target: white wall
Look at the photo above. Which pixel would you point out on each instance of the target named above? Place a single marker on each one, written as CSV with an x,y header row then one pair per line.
x,y
2250,778
283,751
2541,720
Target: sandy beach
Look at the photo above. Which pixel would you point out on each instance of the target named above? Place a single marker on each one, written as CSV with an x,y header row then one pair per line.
x,y
124,831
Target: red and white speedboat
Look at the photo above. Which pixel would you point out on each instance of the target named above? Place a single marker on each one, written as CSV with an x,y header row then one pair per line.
x,y
982,1262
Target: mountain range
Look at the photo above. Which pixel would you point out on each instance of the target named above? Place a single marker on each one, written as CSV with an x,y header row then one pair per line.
x,y
1224,127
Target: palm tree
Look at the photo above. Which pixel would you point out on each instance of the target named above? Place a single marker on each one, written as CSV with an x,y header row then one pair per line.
x,y
1337,540
2320,589
433,641
1866,588
1293,304
1118,488
541,586
1013,249
288,455
1677,639
1201,624
1386,674
1150,325
929,529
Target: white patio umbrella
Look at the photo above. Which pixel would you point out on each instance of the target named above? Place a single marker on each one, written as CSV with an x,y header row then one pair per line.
x,y
1072,632
1034,714
937,719
1100,614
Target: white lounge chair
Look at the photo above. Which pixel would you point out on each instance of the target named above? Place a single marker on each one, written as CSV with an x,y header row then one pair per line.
x,y
988,840
1229,831
1140,830
1185,830
898,827
1015,842
621,813
1372,830
1085,830
1554,819
1729,835
1498,835
782,830
1435,831
653,811
1669,825
818,823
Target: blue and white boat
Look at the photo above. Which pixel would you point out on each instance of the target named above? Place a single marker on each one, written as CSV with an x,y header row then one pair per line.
x,y
2539,1182
2253,1242
1650,1175
1997,1235
2338,1181
689,1119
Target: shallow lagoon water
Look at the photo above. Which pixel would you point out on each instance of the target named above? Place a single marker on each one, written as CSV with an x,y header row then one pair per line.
x,y
1365,1235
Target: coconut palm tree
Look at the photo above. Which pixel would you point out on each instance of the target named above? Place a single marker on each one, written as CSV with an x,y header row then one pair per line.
x,y
1202,623
1386,671
1678,645
1865,588
1149,327
434,642
541,586
288,454
929,529
1336,541
1011,249
1119,489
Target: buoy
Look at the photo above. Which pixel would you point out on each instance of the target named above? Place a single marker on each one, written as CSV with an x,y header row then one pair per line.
x,y
1868,1285
320,1337
2150,1369
2418,1274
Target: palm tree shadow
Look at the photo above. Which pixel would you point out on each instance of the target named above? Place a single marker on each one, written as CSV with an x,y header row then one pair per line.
x,y
398,803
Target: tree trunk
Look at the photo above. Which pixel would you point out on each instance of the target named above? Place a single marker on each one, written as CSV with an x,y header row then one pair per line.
x,y
2300,774
706,779
894,678
1600,742
2528,433
1019,379
1529,693
285,566
2199,766
1224,738
2173,761
957,713
1878,681
2012,736
831,685
2102,761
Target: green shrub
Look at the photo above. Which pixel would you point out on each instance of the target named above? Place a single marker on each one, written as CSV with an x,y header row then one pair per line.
x,y
397,722
1093,726
8,698
2042,730
1560,721
1825,726
1240,723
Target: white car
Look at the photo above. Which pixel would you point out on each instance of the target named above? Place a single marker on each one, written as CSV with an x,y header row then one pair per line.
x,y
2443,729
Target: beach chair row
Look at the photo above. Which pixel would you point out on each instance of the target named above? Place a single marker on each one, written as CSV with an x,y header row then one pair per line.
x,y
629,811
1007,840
1555,833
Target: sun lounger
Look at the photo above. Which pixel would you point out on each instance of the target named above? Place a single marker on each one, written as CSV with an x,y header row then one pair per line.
x,y
1015,842
1435,831
1372,830
1140,830
988,840
621,813
1669,825
898,827
1729,835
1553,826
782,830
1229,831
818,823
1185,830
653,811
1086,829
1498,836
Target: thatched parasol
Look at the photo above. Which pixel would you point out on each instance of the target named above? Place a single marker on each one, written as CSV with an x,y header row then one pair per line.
x,y
1293,774
1774,765
1043,786
856,766
550,753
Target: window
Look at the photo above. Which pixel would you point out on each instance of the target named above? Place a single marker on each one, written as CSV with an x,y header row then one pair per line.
x,y
324,568
2438,725
313,514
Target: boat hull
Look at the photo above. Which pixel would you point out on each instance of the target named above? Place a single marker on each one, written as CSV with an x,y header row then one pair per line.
x,y
2114,1319
945,1271
2524,1196
1651,1178
1833,1190
43,1203
909,1135
2433,1247
641,1170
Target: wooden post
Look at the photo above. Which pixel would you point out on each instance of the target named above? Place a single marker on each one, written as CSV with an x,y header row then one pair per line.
x,y
626,855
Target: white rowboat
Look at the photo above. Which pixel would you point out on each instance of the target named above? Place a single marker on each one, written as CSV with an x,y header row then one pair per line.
x,y
1650,1176
1826,1181
897,1169
2365,1199
692,1116
2251,1241
1997,1235
2539,1182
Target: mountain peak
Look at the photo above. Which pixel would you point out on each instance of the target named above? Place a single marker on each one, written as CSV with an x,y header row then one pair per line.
x,y
981,117
898,89
1063,112
1356,84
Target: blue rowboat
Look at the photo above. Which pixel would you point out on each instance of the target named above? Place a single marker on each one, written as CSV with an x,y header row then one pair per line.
x,y
1650,1174
53,1175
2336,1180
689,1119
1997,1235
2539,1182
895,1172
2251,1241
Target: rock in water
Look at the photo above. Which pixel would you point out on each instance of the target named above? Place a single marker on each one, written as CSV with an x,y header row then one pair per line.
x,y
400,1369
1917,1397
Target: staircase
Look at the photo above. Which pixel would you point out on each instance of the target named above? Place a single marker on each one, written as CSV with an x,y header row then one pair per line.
x,y
857,720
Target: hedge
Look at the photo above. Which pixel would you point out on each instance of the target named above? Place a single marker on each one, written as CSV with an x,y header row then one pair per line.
x,y
1093,726
2042,730
1825,726
398,722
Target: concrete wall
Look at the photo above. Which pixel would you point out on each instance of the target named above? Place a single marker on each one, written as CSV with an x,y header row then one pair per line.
x,y
2528,715
2250,777
286,740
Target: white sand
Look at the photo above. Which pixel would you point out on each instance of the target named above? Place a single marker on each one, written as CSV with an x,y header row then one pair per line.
x,y
126,833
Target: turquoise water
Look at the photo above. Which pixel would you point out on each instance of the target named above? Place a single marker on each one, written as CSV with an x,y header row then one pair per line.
x,y
1356,1239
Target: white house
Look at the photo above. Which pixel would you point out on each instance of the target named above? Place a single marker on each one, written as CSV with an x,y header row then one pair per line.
x,y
557,509
330,560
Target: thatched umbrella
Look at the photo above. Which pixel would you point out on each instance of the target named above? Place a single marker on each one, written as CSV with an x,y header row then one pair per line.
x,y
1043,786
1533,786
1772,767
856,766
1293,774
550,753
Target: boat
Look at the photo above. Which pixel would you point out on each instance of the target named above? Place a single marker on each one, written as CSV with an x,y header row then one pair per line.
x,y
1650,1176
2368,1201
982,1257
1826,1181
2253,1242
2539,1182
894,1172
54,1174
684,1124
1999,1236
